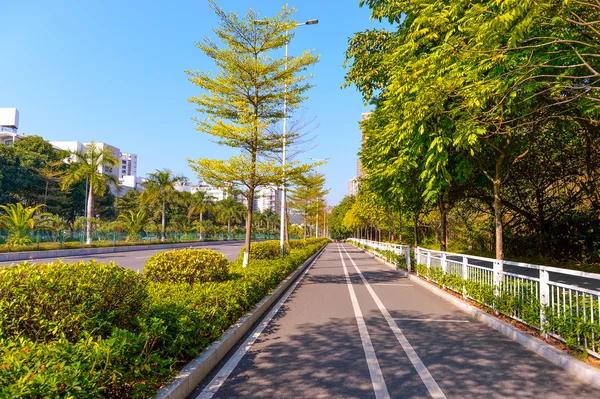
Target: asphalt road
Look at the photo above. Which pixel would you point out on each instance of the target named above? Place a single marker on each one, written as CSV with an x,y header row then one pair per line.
x,y
338,335
136,260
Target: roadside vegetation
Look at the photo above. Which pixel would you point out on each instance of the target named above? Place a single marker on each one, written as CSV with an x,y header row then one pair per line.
x,y
97,330
484,133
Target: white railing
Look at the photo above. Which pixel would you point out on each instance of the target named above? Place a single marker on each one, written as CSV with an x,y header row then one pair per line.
x,y
384,249
559,302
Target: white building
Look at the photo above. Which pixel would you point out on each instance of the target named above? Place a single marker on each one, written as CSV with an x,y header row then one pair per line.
x,y
130,182
128,165
267,198
216,193
353,186
9,125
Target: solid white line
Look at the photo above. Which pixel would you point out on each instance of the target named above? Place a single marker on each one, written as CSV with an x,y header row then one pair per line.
x,y
441,320
432,386
221,376
374,370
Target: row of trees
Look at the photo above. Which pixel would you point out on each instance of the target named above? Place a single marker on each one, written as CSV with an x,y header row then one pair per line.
x,y
41,191
485,115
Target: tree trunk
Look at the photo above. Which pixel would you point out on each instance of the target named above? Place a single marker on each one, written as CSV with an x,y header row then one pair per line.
x,y
248,228
444,225
90,214
416,229
164,220
228,226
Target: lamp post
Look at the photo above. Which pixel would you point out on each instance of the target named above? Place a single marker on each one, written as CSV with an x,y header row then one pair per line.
x,y
283,160
282,224
318,199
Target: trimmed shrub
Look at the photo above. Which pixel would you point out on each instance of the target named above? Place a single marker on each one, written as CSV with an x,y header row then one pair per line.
x,y
44,301
265,250
187,266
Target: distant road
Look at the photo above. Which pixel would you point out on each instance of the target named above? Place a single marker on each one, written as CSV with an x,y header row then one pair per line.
x,y
135,260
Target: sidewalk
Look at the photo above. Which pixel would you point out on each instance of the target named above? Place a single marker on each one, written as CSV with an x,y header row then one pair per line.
x,y
383,337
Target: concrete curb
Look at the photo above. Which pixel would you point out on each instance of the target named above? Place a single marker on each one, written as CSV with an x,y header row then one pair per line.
x,y
579,369
58,253
195,371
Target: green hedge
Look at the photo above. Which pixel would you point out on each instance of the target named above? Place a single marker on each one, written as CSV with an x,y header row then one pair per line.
x,y
44,301
175,324
265,250
187,266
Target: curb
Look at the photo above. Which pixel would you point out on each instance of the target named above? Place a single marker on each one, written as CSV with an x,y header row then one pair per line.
x,y
195,371
579,369
58,253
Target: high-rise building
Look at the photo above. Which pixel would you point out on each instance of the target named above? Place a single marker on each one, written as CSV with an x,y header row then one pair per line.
x,y
128,165
268,198
353,186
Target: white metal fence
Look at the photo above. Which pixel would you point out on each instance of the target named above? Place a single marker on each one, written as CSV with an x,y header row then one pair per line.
x,y
387,251
560,302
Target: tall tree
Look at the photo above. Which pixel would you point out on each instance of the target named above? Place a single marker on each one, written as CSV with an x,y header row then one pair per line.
x,y
160,186
245,97
88,165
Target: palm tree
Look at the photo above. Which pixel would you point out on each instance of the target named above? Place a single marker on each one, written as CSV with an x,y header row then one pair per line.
x,y
134,222
196,204
229,210
89,165
270,218
160,186
19,219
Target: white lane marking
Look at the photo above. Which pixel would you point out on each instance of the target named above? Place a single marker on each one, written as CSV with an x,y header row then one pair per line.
x,y
440,320
432,386
143,257
221,376
374,370
394,285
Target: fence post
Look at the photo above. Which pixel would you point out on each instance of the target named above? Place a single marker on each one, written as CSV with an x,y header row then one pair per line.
x,y
408,265
114,239
428,259
444,263
60,239
544,297
465,275
37,238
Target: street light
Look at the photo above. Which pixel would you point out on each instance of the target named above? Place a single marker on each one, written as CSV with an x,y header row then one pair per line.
x,y
318,199
283,191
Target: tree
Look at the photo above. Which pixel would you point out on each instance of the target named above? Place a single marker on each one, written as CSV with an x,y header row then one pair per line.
x,y
305,195
228,210
134,222
245,97
19,219
160,186
337,229
88,165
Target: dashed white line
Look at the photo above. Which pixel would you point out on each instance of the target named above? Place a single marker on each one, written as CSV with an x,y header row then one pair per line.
x,y
436,320
377,380
432,386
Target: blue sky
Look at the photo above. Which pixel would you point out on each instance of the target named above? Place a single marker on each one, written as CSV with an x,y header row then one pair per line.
x,y
113,71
